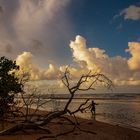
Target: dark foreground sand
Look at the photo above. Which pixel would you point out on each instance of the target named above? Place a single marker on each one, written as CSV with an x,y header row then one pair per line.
x,y
103,131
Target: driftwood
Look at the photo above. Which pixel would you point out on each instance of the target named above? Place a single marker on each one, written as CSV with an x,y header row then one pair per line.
x,y
41,122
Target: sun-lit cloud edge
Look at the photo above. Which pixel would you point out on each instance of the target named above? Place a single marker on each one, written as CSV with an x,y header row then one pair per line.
x,y
121,70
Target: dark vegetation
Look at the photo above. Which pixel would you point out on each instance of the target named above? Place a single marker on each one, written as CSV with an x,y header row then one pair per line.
x,y
15,107
9,86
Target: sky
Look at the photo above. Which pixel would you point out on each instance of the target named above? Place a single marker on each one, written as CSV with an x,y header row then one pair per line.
x,y
45,36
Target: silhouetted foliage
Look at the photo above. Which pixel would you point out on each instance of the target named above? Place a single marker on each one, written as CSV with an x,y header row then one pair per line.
x,y
9,84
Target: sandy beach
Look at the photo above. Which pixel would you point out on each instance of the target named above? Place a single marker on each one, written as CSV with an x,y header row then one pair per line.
x,y
103,131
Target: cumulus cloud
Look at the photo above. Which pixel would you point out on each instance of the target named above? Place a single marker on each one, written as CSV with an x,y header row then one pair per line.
x,y
39,30
25,61
132,13
52,72
120,70
81,53
96,59
134,61
92,58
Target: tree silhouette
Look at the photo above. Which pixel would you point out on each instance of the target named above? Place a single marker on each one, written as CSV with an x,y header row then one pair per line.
x,y
9,84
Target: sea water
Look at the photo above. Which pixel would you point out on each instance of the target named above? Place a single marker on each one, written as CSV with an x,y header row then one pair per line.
x,y
122,109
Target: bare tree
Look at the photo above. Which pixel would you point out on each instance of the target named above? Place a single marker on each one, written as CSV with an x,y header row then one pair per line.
x,y
84,83
32,103
27,112
90,80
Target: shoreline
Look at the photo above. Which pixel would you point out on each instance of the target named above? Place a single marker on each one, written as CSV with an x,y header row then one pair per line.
x,y
104,131
123,125
127,126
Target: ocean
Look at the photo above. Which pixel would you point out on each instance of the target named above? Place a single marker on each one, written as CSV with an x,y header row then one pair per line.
x,y
120,109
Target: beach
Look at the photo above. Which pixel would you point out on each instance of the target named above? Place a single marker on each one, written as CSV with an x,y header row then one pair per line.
x,y
115,119
102,131
122,108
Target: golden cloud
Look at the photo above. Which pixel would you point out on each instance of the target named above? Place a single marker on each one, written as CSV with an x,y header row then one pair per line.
x,y
134,61
121,71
